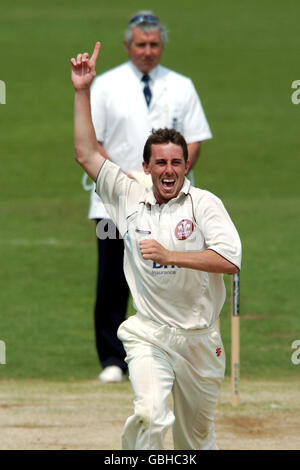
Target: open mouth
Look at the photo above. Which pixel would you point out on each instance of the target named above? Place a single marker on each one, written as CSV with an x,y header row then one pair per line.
x,y
168,184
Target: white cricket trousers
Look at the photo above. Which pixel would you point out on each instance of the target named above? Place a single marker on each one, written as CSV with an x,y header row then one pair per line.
x,y
162,360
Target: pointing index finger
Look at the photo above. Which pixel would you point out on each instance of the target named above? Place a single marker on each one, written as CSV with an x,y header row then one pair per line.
x,y
96,52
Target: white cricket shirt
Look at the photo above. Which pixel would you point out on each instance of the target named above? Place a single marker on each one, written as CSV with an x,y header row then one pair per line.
x,y
193,221
123,122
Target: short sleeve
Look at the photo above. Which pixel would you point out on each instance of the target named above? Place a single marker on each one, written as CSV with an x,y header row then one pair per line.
x,y
117,192
220,234
98,109
195,124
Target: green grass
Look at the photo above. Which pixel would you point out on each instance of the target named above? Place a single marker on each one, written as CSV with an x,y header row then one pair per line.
x,y
242,58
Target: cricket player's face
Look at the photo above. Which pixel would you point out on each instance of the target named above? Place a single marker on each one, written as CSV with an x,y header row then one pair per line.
x,y
168,169
145,49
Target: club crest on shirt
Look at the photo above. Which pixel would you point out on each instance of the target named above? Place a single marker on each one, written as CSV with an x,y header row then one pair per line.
x,y
184,229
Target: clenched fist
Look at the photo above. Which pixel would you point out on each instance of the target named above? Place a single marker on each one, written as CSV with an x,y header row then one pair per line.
x,y
152,250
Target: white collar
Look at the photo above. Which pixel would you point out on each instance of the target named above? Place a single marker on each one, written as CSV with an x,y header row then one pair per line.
x,y
152,74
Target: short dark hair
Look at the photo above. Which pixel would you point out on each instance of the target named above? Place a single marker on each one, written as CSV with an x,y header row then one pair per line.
x,y
164,136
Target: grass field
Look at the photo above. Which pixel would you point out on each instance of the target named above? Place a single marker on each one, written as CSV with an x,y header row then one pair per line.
x,y
242,57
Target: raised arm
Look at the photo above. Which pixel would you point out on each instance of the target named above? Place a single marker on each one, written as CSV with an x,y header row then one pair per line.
x,y
85,143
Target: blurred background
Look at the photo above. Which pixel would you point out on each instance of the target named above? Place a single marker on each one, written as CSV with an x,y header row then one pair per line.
x,y
242,58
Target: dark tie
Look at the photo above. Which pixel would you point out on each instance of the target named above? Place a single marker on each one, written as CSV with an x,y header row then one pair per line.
x,y
147,91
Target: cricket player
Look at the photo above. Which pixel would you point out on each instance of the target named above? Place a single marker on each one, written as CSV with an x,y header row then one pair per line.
x,y
179,241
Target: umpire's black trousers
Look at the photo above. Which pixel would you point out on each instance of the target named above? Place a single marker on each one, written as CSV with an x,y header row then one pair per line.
x,y
111,301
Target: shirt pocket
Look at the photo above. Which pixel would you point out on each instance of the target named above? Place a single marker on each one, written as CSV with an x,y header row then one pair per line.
x,y
175,116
